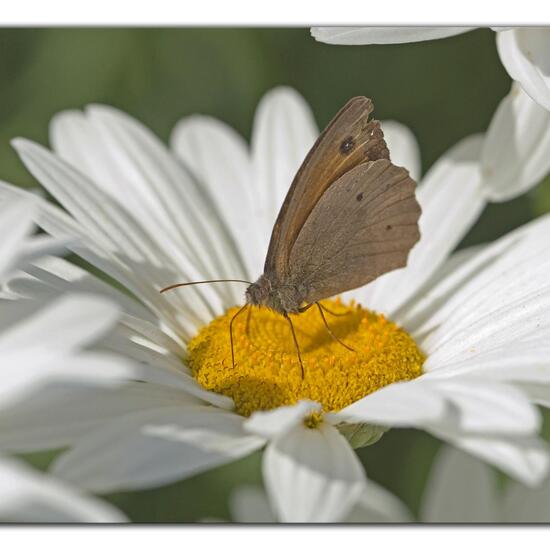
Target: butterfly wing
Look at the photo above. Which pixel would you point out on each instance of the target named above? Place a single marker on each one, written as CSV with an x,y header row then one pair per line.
x,y
349,140
363,226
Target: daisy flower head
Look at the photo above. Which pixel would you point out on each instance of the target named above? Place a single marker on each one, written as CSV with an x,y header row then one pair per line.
x,y
453,344
522,50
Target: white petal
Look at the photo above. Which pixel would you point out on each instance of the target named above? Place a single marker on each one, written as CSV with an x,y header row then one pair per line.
x,y
28,496
404,149
43,245
159,367
16,218
438,289
527,504
312,475
14,311
538,393
507,270
65,411
166,199
155,447
23,379
149,253
70,323
516,152
90,206
179,194
152,335
523,458
219,158
382,35
53,276
524,53
157,357
283,133
59,224
78,141
451,284
145,264
460,489
451,202
401,404
488,407
249,504
269,424
378,505
519,362
523,318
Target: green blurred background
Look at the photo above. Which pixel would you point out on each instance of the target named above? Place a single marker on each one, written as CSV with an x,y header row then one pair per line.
x,y
443,90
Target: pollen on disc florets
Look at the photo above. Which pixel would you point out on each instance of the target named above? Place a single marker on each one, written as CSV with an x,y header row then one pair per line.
x,y
267,372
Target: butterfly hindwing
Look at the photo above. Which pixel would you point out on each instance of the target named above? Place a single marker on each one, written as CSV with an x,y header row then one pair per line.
x,y
363,226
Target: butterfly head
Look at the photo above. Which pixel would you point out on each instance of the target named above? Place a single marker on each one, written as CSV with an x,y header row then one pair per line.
x,y
257,293
281,298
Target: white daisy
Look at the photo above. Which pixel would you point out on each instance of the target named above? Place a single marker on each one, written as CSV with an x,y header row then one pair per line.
x,y
148,218
522,50
30,496
465,490
40,346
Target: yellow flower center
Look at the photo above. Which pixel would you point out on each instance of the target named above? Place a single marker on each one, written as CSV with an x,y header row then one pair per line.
x,y
267,372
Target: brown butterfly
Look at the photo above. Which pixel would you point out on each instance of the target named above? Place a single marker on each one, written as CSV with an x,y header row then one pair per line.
x,y
350,215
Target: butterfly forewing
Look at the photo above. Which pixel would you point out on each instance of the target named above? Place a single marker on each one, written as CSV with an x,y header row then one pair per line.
x,y
363,226
348,141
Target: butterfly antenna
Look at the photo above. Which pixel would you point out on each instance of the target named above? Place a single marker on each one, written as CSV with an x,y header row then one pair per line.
x,y
231,332
335,338
295,342
178,285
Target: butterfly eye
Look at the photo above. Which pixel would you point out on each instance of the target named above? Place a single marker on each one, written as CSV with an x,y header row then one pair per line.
x,y
347,145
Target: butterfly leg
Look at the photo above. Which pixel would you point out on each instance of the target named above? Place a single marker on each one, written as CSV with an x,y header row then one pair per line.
x,y
304,308
320,308
231,333
333,312
295,342
248,315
